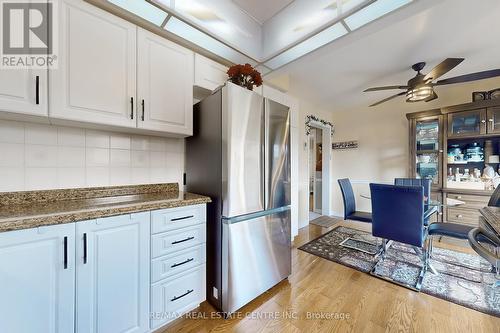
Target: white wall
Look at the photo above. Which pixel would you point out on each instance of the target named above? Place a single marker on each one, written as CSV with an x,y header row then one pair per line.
x,y
35,157
383,133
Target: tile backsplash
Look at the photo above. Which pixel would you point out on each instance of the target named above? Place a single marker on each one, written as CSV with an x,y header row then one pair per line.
x,y
36,157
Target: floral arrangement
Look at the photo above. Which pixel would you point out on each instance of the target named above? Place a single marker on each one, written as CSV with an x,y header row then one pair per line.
x,y
244,76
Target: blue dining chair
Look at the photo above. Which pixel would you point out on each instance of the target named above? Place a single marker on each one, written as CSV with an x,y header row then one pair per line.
x,y
350,212
495,198
427,184
487,245
398,215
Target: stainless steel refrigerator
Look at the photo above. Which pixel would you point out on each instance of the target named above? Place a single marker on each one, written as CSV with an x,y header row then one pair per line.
x,y
239,155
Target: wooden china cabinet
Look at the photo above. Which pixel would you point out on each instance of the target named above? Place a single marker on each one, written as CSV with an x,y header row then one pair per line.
x,y
450,143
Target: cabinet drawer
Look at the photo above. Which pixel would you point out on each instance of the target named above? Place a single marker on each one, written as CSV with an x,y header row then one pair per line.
x,y
175,218
466,216
170,242
172,298
471,201
181,261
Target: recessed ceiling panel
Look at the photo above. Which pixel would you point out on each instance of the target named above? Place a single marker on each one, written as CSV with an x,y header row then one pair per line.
x,y
262,10
206,42
307,46
373,12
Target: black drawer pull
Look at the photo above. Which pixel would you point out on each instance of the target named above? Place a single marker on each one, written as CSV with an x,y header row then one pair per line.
x,y
181,218
181,296
131,108
65,252
182,263
183,240
142,117
37,90
85,248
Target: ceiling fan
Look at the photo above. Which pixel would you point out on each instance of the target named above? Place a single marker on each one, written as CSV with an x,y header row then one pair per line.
x,y
421,87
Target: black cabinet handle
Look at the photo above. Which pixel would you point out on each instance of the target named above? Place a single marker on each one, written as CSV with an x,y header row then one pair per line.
x,y
65,252
181,296
85,248
37,90
181,218
182,263
183,240
142,117
131,108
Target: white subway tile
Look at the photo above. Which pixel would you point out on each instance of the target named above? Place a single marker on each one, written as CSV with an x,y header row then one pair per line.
x,y
11,179
175,161
97,176
41,178
159,175
70,136
120,176
120,158
70,177
41,156
139,143
119,141
140,175
158,159
96,139
39,134
139,159
158,144
12,155
97,157
175,145
70,157
11,131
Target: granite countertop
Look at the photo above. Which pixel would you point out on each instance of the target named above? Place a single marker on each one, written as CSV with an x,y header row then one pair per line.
x,y
23,210
492,217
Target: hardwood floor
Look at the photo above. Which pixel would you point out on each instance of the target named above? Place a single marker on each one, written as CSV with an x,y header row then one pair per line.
x,y
320,286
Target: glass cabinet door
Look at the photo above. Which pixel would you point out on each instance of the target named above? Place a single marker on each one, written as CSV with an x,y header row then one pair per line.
x,y
428,150
494,120
467,123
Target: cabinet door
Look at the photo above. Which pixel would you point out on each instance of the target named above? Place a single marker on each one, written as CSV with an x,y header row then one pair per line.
x,y
208,74
467,123
37,280
23,91
113,274
494,120
95,80
165,85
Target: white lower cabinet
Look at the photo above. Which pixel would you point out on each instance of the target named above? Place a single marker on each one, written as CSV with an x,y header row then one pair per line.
x,y
37,280
178,253
112,281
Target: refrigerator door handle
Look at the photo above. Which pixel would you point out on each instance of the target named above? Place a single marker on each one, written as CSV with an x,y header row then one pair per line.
x,y
265,155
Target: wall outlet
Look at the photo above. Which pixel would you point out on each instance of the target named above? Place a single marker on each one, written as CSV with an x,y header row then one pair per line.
x,y
215,293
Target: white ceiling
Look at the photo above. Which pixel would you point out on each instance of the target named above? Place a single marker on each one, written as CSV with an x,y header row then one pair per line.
x,y
382,53
262,10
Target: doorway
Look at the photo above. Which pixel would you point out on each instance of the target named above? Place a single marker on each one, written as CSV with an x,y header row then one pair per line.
x,y
315,173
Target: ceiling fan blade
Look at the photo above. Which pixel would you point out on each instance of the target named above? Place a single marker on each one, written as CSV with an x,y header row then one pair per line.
x,y
385,88
443,68
388,98
431,97
470,77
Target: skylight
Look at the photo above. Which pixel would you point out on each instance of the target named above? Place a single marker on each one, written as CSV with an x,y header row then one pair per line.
x,y
324,37
373,12
201,39
142,9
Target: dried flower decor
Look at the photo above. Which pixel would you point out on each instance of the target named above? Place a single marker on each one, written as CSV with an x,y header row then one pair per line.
x,y
244,76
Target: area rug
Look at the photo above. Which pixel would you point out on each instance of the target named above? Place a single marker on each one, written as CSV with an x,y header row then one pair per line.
x,y
325,221
463,278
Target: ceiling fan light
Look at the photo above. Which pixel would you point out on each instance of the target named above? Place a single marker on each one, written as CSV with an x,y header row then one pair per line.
x,y
419,94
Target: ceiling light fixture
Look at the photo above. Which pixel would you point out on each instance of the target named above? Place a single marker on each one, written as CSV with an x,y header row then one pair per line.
x,y
419,94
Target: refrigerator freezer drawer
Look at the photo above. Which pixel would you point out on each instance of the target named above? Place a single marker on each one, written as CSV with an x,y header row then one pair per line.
x,y
256,255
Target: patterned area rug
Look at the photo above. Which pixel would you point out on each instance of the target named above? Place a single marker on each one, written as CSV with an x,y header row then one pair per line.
x,y
463,278
325,221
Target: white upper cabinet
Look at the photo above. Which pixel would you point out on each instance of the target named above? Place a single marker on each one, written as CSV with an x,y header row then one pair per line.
x,y
165,85
24,91
112,288
95,81
37,279
208,74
